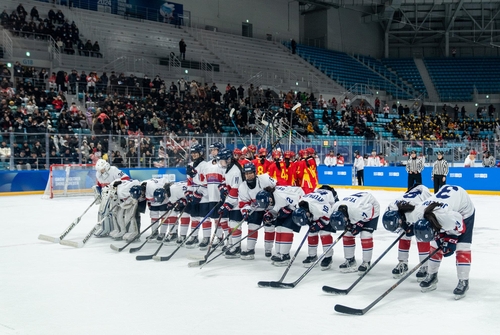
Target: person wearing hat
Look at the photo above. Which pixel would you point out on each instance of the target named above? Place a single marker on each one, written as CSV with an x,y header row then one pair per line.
x,y
414,167
469,160
439,171
359,165
488,160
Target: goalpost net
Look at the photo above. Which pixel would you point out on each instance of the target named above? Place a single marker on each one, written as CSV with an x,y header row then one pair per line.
x,y
70,180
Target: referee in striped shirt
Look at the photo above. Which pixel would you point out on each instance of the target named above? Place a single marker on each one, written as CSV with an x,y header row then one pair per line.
x,y
414,167
439,172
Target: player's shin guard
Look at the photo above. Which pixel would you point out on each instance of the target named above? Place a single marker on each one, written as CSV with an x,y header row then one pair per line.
x,y
423,251
253,235
312,244
206,228
223,229
236,235
184,225
463,260
349,245
435,260
269,235
326,241
404,248
284,240
367,245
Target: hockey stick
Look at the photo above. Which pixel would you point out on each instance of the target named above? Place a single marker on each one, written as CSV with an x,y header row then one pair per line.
x,y
115,248
132,250
236,127
211,241
333,290
356,311
147,257
229,247
65,232
203,261
90,233
195,230
268,283
277,284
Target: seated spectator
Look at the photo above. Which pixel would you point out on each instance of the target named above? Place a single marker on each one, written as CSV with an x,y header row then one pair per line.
x,y
96,50
88,48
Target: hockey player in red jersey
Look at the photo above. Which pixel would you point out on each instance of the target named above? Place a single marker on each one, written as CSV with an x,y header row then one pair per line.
x,y
447,220
400,217
277,169
247,191
279,203
261,163
315,210
358,213
306,173
241,156
291,167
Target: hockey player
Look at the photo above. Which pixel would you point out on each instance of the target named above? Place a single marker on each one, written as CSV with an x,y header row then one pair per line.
x,y
234,176
278,204
400,215
447,220
176,203
197,195
240,156
261,163
252,152
157,203
315,210
290,166
125,214
277,169
105,174
247,192
306,172
215,176
360,212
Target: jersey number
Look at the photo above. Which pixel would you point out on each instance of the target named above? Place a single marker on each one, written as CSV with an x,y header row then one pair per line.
x,y
444,191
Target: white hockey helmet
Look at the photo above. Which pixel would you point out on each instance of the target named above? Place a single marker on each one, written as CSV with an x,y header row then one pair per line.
x,y
102,166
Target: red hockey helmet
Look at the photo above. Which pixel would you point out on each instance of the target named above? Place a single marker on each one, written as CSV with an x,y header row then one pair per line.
x,y
237,152
276,154
302,153
262,152
289,154
252,148
310,151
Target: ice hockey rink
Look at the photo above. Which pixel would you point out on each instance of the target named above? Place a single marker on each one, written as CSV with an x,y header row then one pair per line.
x,y
48,288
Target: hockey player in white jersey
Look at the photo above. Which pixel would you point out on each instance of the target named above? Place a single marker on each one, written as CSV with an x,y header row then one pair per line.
x,y
197,196
447,220
399,217
234,176
358,213
125,213
279,204
215,177
105,174
176,203
317,208
156,202
247,191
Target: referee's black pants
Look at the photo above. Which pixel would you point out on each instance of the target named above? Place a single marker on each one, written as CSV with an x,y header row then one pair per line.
x,y
438,182
360,174
414,178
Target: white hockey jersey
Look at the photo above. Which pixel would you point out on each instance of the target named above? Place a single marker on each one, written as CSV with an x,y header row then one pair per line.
x,y
320,205
286,196
199,182
415,197
123,192
177,191
330,160
457,206
214,176
361,206
233,180
246,195
373,161
106,178
151,186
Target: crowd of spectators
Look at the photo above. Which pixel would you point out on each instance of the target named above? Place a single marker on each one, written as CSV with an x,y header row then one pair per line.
x,y
54,25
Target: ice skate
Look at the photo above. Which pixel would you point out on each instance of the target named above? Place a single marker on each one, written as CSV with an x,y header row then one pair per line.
x,y
422,273
461,289
230,254
363,268
429,283
192,243
309,261
280,260
204,243
248,254
348,266
400,270
160,238
326,263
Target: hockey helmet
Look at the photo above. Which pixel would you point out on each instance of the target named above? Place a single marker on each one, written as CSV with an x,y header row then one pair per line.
x,y
237,152
249,167
252,148
302,153
225,154
197,148
102,166
310,151
339,219
159,195
217,145
300,217
391,220
262,152
263,199
288,154
276,154
135,192
423,230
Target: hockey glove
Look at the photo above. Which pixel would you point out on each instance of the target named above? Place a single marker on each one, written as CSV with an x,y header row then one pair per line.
x,y
268,218
356,228
170,206
284,213
116,183
316,226
190,171
181,204
408,228
224,209
223,192
189,196
197,197
245,212
448,244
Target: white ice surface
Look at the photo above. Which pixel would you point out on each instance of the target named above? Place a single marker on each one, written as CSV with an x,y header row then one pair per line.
x,y
52,289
